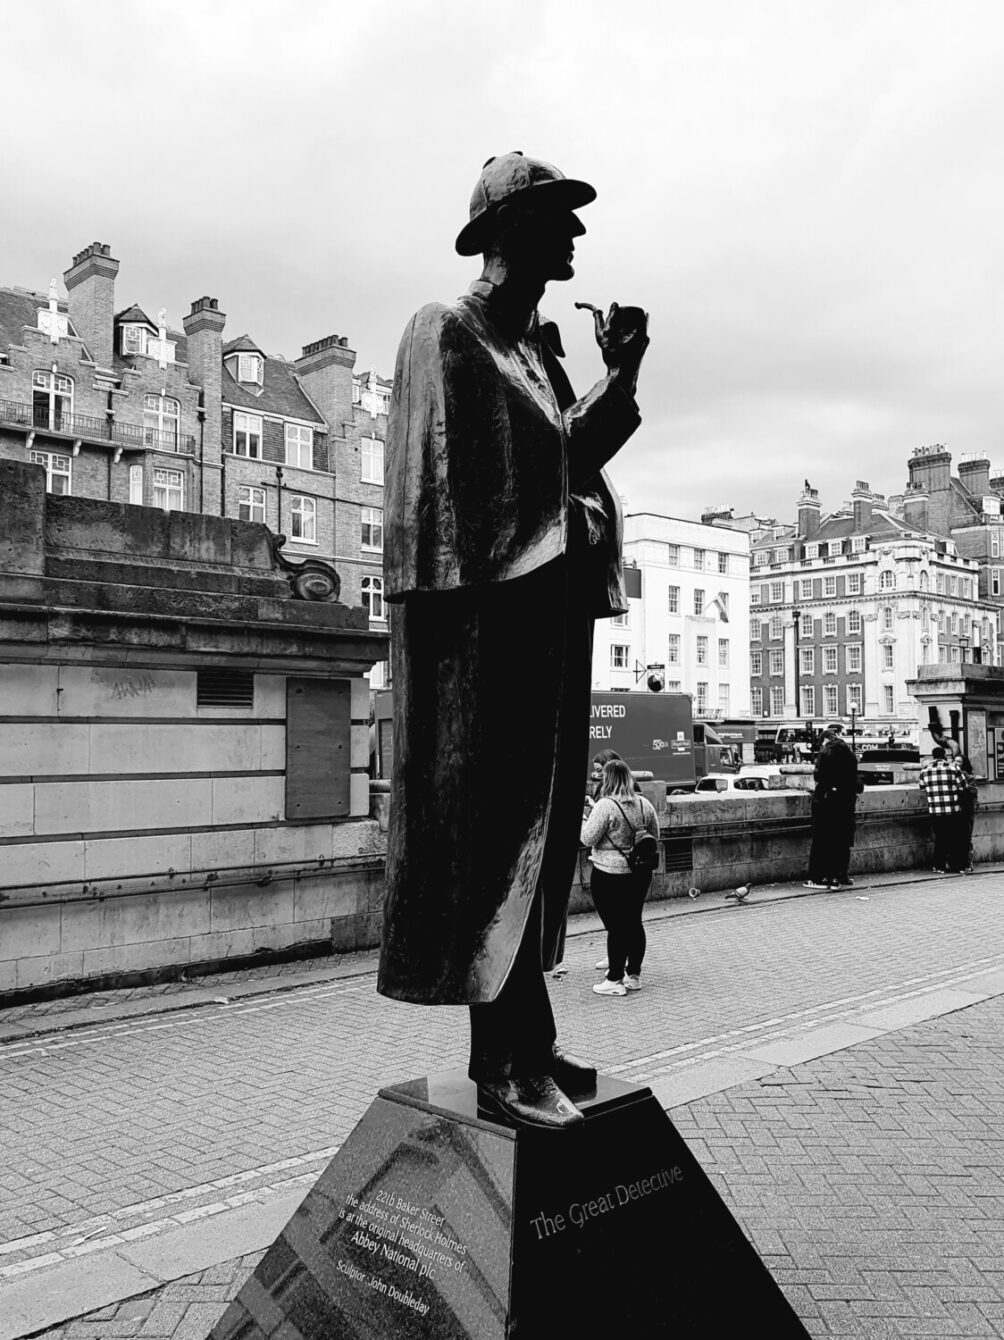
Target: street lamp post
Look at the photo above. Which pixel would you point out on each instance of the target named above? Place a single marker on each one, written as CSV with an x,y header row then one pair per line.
x,y
796,615
854,717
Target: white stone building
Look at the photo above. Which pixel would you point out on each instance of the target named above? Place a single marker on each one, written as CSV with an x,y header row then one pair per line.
x,y
688,591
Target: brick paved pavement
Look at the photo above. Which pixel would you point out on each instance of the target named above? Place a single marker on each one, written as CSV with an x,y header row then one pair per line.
x,y
870,1181
114,1127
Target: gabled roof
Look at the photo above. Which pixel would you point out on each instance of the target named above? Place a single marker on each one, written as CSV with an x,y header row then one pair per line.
x,y
133,315
281,393
243,344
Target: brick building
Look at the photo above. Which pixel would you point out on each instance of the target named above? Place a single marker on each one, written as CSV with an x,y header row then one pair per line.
x,y
116,405
845,607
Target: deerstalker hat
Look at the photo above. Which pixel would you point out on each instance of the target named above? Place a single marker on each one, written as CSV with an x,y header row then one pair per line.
x,y
512,177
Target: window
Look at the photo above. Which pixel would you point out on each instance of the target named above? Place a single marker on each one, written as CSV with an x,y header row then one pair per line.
x,y
673,555
887,618
995,544
808,700
247,434
698,600
887,581
57,469
702,650
134,339
887,653
829,661
889,699
372,588
852,658
854,698
673,686
619,656
303,519
756,701
371,460
776,593
619,621
250,504
835,547
136,484
250,368
761,558
925,580
829,625
161,417
51,401
169,490
939,583
806,585
300,446
699,559
807,628
955,623
702,697
674,600
777,662
673,650
780,555
776,701
756,631
829,586
854,583
995,581
854,621
776,628
858,544
723,563
754,595
357,392
723,652
723,600
806,661
372,528
830,700
953,585
723,699
812,551
756,664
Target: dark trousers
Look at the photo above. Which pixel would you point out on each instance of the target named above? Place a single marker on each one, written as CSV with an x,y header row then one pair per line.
x,y
618,900
832,835
950,842
514,1034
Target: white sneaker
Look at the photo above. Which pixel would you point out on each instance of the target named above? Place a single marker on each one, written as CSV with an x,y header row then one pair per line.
x,y
608,988
602,965
632,983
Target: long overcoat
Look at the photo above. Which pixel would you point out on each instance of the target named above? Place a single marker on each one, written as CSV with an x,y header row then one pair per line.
x,y
503,544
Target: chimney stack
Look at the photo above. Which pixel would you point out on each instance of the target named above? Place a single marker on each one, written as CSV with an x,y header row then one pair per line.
x,y
974,474
204,334
931,473
325,372
90,286
862,499
915,508
808,513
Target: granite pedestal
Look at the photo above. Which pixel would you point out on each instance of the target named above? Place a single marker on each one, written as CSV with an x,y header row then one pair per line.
x,y
432,1222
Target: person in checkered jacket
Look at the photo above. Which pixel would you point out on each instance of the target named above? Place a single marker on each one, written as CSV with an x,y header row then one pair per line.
x,y
943,785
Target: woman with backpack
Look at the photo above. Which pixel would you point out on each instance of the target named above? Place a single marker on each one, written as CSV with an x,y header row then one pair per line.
x,y
622,830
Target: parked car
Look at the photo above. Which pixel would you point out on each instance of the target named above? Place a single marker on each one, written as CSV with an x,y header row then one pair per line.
x,y
728,783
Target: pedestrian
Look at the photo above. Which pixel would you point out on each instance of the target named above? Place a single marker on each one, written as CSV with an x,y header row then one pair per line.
x,y
970,803
833,800
600,761
609,828
943,785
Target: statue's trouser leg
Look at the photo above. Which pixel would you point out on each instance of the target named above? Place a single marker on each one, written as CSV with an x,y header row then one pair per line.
x,y
515,1033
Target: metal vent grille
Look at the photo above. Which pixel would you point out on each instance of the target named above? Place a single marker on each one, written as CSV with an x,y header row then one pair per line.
x,y
224,688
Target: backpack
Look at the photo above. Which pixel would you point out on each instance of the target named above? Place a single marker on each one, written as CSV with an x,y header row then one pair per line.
x,y
643,857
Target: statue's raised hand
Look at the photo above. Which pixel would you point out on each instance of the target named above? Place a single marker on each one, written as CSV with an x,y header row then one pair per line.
x,y
622,335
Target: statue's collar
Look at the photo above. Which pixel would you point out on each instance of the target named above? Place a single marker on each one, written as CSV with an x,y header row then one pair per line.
x,y
511,323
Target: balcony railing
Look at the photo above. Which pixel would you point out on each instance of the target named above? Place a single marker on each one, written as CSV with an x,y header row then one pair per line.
x,y
23,415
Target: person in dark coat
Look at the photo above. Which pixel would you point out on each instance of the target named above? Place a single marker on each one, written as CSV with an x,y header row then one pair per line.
x,y
503,546
833,802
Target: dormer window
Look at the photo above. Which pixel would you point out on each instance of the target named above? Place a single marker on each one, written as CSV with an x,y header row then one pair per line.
x,y
134,339
250,368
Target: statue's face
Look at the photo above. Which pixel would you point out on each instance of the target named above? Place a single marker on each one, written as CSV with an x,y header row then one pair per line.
x,y
541,242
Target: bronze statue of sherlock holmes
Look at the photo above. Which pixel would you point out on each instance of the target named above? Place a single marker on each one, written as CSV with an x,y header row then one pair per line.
x,y
503,546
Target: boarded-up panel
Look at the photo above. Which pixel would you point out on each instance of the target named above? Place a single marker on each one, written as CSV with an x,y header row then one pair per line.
x,y
632,583
318,726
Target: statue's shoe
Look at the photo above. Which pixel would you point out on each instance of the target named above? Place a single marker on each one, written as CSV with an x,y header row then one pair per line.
x,y
574,1076
531,1100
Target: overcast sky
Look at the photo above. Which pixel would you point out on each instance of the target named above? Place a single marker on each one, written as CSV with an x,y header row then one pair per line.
x,y
806,197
